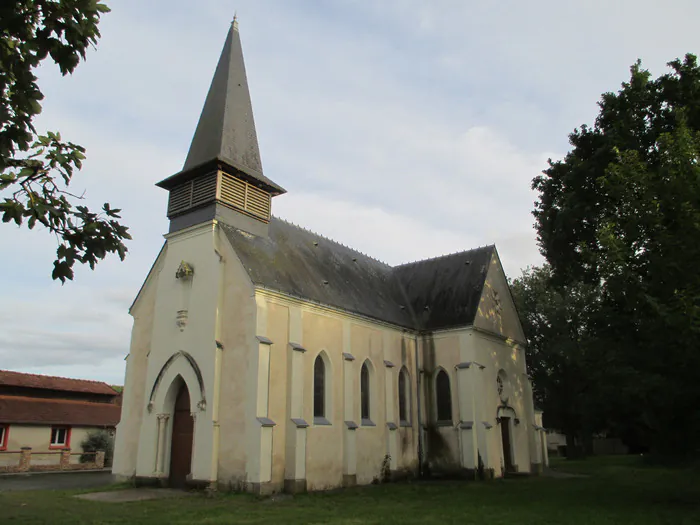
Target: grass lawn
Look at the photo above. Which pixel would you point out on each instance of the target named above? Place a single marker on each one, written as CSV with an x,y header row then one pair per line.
x,y
618,490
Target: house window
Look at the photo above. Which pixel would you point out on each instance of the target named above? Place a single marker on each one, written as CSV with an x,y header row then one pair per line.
x,y
60,437
404,396
444,396
365,394
4,433
319,387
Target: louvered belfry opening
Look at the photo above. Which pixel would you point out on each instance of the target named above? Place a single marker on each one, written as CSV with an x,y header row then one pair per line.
x,y
242,195
192,194
223,188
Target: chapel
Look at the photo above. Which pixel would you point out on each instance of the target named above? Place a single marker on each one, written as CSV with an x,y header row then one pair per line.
x,y
265,357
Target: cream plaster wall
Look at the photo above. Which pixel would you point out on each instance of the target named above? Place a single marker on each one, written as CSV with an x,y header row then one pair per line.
x,y
133,399
279,396
496,354
440,351
216,290
324,460
332,451
238,331
496,313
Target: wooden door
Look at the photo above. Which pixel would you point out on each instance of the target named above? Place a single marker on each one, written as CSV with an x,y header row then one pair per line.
x,y
181,444
505,434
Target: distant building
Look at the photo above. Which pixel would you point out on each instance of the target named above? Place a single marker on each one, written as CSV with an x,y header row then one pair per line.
x,y
50,414
267,357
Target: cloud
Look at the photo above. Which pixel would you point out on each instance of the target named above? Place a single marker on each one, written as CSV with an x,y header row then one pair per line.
x,y
403,128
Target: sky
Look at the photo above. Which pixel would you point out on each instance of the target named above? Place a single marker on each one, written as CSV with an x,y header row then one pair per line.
x,y
406,129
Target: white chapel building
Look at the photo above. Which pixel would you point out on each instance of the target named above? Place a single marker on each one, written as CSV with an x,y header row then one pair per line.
x,y
266,358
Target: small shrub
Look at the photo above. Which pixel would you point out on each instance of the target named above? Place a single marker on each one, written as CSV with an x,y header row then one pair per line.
x,y
386,469
97,440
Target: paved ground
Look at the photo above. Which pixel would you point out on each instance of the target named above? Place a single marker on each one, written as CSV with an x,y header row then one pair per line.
x,y
55,481
120,496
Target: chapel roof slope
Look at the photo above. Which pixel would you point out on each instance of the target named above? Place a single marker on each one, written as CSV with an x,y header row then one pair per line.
x,y
65,384
303,264
445,291
300,263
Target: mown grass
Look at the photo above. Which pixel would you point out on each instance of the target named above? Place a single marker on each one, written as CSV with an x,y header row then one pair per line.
x,y
620,490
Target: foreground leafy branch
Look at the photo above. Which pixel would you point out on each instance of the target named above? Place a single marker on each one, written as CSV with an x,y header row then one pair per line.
x,y
36,170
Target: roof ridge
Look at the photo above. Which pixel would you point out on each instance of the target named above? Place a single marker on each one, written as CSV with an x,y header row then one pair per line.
x,y
58,400
44,376
332,240
444,256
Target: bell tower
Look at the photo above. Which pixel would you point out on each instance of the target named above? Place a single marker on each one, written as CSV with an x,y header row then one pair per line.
x,y
222,177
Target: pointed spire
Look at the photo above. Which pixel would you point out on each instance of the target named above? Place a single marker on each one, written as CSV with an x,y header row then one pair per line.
x,y
226,130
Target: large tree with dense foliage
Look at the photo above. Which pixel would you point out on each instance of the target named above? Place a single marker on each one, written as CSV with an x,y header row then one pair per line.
x,y
563,354
622,212
36,169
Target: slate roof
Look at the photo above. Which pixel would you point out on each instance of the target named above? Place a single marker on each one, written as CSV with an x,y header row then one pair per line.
x,y
301,263
19,409
83,386
445,292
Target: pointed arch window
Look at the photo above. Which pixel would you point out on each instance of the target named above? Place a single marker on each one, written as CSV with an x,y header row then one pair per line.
x,y
319,388
365,394
443,395
404,397
501,386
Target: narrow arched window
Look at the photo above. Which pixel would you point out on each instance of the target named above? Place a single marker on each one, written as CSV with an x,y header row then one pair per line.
x,y
364,392
404,396
319,387
444,396
501,385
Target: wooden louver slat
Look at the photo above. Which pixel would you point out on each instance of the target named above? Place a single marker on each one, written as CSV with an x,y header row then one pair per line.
x,y
232,191
180,198
191,194
244,196
258,202
204,189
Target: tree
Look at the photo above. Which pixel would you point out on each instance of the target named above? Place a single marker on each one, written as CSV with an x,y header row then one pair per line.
x,y
36,170
562,352
95,441
622,212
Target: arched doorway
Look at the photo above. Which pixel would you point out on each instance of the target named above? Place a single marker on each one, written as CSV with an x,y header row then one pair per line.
x,y
507,418
181,442
507,446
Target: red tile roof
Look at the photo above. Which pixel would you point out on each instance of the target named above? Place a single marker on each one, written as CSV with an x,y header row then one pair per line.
x,y
18,409
65,384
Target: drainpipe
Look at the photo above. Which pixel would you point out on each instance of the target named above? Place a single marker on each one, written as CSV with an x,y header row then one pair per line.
x,y
420,418
214,475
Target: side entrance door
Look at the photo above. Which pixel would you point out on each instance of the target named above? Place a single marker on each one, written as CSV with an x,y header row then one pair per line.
x,y
505,435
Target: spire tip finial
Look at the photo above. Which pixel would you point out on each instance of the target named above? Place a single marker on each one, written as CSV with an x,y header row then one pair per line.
x,y
234,22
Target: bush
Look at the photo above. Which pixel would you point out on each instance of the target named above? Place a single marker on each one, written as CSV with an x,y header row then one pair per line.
x,y
97,440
